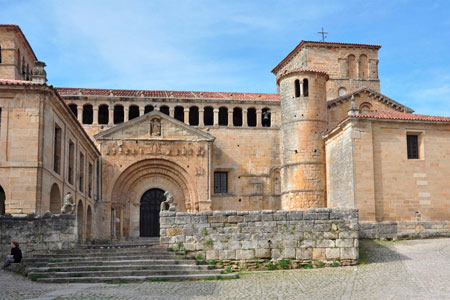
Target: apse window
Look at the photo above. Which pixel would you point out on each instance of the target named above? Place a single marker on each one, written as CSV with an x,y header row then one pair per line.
x,y
413,144
220,182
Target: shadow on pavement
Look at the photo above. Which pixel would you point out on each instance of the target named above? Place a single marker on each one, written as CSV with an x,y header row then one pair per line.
x,y
375,251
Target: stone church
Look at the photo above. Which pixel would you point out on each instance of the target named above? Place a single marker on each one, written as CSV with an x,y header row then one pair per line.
x,y
327,138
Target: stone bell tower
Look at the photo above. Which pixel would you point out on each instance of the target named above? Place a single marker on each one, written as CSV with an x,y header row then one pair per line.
x,y
304,119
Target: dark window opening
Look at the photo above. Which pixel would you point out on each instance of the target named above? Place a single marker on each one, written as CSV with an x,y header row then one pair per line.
x,y
237,116
57,150
88,114
148,109
165,110
179,113
413,146
81,176
223,116
2,201
251,117
297,88
193,116
103,114
118,114
71,161
90,180
220,182
23,67
28,72
305,88
208,116
74,109
0,54
266,117
133,112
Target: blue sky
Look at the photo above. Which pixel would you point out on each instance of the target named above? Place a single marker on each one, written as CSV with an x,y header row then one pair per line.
x,y
232,45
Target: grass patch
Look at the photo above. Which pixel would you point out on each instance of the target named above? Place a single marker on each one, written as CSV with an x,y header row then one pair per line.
x,y
227,271
75,275
205,232
34,277
284,263
54,261
209,243
308,266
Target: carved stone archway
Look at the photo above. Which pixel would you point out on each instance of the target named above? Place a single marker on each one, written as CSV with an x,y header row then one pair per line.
x,y
138,178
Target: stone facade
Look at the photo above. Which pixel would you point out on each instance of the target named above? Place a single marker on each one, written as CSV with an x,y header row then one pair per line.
x,y
323,234
117,151
399,230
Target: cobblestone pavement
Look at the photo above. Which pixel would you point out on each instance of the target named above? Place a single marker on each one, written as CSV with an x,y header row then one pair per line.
x,y
414,269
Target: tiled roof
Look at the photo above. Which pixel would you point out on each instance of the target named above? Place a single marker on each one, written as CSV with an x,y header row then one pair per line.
x,y
16,27
379,96
329,44
298,70
167,94
402,116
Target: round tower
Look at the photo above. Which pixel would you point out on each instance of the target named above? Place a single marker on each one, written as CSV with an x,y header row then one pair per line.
x,y
304,119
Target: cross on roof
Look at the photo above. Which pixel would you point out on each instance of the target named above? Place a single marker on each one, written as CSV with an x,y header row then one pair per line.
x,y
323,34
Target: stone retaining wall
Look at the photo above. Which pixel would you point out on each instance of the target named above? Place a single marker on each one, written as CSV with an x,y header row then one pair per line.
x,y
399,230
324,235
37,233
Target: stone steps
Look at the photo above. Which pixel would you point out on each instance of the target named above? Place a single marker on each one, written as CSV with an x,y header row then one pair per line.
x,y
114,263
124,279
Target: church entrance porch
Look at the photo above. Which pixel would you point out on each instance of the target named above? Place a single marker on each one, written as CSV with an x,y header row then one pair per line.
x,y
149,212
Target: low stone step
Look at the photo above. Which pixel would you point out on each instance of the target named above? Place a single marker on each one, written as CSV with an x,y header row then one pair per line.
x,y
122,273
91,258
124,279
114,262
106,254
167,267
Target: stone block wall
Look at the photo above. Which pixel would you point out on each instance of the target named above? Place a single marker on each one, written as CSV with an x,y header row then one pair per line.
x,y
37,233
399,230
324,234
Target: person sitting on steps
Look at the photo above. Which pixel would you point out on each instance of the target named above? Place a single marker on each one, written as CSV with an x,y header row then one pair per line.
x,y
14,257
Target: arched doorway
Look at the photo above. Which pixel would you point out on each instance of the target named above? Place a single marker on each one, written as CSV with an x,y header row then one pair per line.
x,y
2,201
80,220
55,199
89,224
149,212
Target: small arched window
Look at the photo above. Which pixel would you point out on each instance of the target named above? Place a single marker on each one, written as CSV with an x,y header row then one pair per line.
x,y
148,109
118,114
237,116
342,91
164,109
103,114
23,67
87,114
74,109
133,112
365,108
351,60
179,113
193,116
208,116
305,88
266,117
297,88
223,116
251,117
363,67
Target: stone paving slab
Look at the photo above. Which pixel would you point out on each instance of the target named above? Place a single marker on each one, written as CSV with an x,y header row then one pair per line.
x,y
415,269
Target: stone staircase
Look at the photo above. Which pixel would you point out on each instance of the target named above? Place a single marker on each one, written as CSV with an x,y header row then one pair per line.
x,y
118,263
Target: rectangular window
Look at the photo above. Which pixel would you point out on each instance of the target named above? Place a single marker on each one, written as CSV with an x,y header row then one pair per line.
x,y
90,180
220,182
71,161
81,182
57,150
412,142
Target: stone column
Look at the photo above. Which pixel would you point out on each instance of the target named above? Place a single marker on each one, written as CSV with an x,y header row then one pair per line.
x,y
301,88
95,115
80,113
244,118
171,112
201,113
186,116
259,114
216,116
126,113
111,116
141,111
230,117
